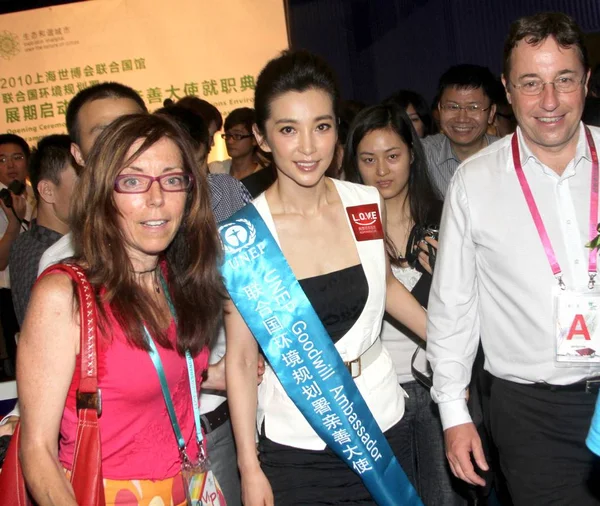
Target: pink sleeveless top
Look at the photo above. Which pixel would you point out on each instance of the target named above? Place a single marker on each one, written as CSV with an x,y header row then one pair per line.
x,y
136,434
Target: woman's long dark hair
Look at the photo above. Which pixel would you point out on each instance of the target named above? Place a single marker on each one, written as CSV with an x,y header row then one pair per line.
x,y
421,195
293,71
192,257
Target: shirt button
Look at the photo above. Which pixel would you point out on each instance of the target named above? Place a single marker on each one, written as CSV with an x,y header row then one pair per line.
x,y
568,222
576,262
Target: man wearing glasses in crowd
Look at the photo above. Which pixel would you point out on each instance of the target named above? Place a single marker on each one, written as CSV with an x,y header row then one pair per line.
x,y
245,162
515,268
14,154
466,110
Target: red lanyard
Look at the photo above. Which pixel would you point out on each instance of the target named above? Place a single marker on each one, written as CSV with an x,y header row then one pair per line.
x,y
537,218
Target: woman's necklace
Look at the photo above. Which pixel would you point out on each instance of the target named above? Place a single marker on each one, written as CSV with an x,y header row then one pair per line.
x,y
155,283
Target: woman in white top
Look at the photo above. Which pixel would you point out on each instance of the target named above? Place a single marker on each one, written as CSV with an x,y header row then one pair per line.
x,y
384,151
348,283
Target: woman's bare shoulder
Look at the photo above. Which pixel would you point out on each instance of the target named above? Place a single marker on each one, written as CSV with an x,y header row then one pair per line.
x,y
52,293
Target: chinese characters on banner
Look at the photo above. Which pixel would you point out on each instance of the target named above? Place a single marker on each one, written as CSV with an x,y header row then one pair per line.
x,y
43,95
48,55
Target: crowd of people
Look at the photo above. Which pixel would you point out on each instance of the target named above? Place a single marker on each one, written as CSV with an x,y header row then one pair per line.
x,y
371,304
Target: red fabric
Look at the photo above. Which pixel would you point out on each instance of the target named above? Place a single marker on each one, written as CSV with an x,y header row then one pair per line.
x,y
86,477
12,482
136,435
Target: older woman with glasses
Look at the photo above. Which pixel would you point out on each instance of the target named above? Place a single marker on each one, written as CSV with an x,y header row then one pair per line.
x,y
145,237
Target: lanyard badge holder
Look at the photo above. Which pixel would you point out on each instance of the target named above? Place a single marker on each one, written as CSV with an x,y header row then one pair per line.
x,y
576,312
199,483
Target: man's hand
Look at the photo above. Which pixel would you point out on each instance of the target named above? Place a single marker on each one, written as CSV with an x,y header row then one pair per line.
x,y
19,204
215,378
462,441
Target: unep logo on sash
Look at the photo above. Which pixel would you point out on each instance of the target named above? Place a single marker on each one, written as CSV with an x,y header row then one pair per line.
x,y
238,235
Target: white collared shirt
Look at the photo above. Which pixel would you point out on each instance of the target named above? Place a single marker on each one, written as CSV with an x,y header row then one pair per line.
x,y
61,249
492,277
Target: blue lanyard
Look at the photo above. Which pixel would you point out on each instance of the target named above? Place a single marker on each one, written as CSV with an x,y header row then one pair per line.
x,y
155,357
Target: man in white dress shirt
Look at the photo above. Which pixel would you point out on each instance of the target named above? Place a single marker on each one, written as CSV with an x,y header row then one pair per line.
x,y
497,278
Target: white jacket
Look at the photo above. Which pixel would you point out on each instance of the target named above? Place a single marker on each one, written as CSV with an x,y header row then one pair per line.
x,y
284,423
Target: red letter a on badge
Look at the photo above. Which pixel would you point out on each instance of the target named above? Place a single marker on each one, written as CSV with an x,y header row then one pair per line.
x,y
578,327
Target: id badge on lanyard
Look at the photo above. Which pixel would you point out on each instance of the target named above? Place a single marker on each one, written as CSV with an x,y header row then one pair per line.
x,y
576,316
201,487
576,329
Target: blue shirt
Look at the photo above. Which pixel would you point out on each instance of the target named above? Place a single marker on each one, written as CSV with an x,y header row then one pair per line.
x,y
593,439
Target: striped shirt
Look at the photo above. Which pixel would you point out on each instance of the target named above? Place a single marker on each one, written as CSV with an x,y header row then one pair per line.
x,y
442,162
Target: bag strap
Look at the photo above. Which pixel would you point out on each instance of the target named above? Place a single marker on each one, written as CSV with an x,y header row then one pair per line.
x,y
425,381
88,393
86,474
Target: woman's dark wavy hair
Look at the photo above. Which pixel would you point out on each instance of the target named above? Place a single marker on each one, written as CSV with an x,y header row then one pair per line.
x,y
191,259
421,194
404,98
293,71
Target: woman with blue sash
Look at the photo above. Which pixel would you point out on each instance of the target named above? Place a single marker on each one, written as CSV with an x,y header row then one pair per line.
x,y
309,281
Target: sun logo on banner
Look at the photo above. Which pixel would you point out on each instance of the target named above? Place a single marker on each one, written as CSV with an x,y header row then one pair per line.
x,y
9,45
237,235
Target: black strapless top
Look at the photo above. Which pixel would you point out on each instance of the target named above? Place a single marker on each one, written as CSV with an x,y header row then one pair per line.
x,y
338,298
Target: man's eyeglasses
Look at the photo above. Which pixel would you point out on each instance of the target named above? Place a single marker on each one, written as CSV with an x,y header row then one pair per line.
x,y
139,183
562,84
17,157
471,109
236,137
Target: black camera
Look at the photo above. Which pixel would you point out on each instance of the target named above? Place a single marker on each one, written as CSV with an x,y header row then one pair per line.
x,y
431,231
16,187
418,235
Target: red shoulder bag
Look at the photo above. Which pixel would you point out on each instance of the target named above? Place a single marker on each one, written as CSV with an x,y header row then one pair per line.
x,y
86,475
